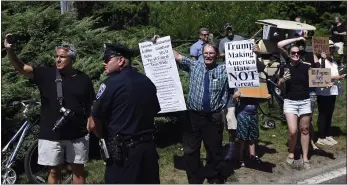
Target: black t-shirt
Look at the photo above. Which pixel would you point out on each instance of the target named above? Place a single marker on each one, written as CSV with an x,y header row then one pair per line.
x,y
78,95
307,57
127,103
339,29
297,87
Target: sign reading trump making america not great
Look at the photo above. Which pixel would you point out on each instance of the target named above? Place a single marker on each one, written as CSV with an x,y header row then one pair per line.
x,y
241,64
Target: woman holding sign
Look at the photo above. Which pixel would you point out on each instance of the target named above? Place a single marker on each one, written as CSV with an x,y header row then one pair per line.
x,y
297,103
326,97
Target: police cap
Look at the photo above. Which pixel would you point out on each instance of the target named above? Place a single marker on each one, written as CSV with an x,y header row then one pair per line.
x,y
112,50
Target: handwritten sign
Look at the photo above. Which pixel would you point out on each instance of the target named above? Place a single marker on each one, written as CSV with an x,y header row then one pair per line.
x,y
319,77
160,67
241,64
255,92
320,44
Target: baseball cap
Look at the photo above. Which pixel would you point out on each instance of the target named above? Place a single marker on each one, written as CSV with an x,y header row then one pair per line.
x,y
228,25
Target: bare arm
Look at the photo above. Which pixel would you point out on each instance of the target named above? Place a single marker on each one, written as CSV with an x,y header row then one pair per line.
x,y
280,83
95,126
283,43
338,77
22,68
178,57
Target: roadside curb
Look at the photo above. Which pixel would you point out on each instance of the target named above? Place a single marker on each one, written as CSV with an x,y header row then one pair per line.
x,y
325,177
316,174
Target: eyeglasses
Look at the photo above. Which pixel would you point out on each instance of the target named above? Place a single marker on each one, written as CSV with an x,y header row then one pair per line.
x,y
294,52
209,53
206,35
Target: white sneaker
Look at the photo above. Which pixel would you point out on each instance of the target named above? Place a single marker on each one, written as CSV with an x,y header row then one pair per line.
x,y
324,142
332,140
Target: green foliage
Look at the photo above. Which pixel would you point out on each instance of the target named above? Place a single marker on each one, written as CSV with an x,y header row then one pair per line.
x,y
42,28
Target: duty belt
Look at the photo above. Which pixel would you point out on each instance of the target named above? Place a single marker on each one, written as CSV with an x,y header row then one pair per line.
x,y
133,141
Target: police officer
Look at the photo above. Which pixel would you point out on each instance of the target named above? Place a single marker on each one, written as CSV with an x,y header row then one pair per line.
x,y
126,104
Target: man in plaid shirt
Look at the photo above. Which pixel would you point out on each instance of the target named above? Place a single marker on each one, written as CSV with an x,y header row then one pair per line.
x,y
207,97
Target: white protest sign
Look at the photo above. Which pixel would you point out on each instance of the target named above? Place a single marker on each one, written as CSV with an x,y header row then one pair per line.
x,y
241,64
160,66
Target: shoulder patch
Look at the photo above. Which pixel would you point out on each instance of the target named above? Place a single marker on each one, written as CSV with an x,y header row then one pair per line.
x,y
101,90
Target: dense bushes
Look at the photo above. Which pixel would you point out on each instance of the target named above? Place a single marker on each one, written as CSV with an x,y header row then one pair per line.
x,y
93,23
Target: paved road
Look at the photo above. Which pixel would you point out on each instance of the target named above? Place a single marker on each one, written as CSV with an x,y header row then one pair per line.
x,y
336,176
337,180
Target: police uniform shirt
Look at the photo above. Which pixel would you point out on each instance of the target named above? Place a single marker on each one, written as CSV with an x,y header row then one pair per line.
x,y
127,103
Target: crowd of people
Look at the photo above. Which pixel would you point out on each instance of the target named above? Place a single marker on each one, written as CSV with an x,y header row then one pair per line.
x,y
121,115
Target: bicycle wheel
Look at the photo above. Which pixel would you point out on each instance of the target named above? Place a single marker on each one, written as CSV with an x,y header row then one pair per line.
x,y
38,174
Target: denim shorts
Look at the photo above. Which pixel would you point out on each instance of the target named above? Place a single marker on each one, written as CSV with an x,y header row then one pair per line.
x,y
297,107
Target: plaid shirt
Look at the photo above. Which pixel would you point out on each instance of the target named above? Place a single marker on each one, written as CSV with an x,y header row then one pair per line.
x,y
218,85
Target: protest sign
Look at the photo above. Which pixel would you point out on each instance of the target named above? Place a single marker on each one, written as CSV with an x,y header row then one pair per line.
x,y
319,77
255,92
241,64
160,67
320,44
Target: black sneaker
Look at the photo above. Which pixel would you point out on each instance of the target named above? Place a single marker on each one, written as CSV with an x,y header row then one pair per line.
x,y
241,163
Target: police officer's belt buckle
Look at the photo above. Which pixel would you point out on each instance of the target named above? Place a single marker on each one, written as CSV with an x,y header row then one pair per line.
x,y
134,142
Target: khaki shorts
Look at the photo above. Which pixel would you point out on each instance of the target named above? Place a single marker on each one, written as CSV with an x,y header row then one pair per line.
x,y
53,153
230,118
339,48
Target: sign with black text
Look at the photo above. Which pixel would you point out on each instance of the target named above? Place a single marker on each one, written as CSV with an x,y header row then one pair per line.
x,y
160,67
319,77
241,64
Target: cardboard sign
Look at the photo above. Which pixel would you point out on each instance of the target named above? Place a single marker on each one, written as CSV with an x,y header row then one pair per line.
x,y
320,44
319,77
255,92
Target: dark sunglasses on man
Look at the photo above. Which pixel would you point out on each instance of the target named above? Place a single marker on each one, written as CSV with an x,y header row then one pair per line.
x,y
108,58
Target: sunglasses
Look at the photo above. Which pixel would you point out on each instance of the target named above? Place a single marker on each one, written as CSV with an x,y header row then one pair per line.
x,y
294,52
206,35
108,59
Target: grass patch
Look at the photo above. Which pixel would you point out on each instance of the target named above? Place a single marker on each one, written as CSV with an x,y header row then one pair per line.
x,y
271,148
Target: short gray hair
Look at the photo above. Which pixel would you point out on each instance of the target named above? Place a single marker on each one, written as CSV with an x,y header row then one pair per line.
x,y
203,29
72,52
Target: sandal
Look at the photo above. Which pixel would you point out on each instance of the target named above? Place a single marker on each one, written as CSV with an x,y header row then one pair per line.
x,y
290,160
306,165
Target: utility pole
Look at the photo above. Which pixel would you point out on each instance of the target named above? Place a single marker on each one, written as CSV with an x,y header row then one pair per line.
x,y
66,6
